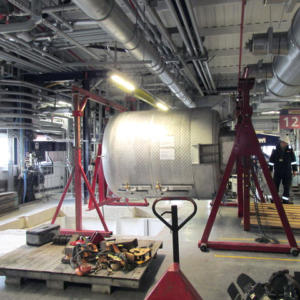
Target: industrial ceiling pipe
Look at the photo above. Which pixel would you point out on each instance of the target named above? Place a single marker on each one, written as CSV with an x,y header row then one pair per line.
x,y
167,36
185,40
115,22
210,80
285,81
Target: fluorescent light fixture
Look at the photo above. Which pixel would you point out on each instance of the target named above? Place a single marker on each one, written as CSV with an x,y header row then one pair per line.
x,y
64,103
162,106
270,112
118,79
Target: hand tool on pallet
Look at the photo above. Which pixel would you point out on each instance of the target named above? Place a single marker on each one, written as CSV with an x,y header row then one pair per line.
x,y
174,285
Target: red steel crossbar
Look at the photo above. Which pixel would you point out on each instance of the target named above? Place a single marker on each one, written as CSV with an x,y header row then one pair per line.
x,y
246,144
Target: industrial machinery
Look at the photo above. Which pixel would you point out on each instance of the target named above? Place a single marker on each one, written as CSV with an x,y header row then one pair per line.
x,y
169,154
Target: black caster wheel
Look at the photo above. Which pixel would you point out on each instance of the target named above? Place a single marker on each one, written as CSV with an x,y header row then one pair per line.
x,y
294,252
203,247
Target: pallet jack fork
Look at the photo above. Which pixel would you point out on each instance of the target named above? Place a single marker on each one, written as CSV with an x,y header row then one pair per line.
x,y
246,145
174,285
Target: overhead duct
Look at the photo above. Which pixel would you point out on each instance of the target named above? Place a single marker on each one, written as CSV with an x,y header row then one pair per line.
x,y
115,22
286,68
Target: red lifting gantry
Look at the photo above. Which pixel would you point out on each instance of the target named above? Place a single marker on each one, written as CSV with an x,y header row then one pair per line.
x,y
80,98
246,145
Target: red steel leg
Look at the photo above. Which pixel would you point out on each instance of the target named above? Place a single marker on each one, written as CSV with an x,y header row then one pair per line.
x,y
240,192
247,193
61,200
218,199
96,173
78,204
93,199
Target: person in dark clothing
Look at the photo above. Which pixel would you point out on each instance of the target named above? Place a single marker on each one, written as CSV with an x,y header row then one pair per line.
x,y
283,161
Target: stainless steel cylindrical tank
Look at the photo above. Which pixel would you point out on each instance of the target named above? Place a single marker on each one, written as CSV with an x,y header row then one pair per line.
x,y
170,154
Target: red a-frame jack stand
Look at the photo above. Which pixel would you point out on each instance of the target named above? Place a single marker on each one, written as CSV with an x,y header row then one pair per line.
x,y
245,145
80,98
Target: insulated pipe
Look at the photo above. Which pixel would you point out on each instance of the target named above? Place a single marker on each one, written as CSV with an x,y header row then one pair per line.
x,y
17,27
196,29
116,23
286,69
260,71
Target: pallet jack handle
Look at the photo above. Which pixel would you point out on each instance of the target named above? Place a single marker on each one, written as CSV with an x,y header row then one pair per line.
x,y
174,227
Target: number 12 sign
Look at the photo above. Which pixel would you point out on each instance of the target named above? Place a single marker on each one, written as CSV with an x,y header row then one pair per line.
x,y
289,119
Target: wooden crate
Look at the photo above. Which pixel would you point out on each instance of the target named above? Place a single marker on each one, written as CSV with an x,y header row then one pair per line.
x,y
270,217
44,263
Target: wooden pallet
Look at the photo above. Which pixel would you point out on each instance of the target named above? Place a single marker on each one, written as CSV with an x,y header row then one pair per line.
x,y
269,215
44,263
8,202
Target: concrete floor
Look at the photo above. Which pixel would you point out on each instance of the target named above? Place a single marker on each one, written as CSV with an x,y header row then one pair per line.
x,y
209,273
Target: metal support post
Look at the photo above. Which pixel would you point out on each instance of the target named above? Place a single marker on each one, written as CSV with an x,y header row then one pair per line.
x,y
246,193
86,136
240,192
77,160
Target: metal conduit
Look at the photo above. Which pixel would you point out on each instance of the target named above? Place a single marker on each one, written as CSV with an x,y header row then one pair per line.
x,y
185,40
116,23
171,43
30,86
19,108
33,47
20,116
17,101
15,93
196,29
53,28
12,58
286,69
30,55
153,36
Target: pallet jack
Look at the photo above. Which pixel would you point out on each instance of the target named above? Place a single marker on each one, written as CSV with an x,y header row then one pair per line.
x,y
174,285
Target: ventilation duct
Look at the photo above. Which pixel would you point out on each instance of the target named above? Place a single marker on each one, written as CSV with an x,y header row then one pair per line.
x,y
115,22
286,68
